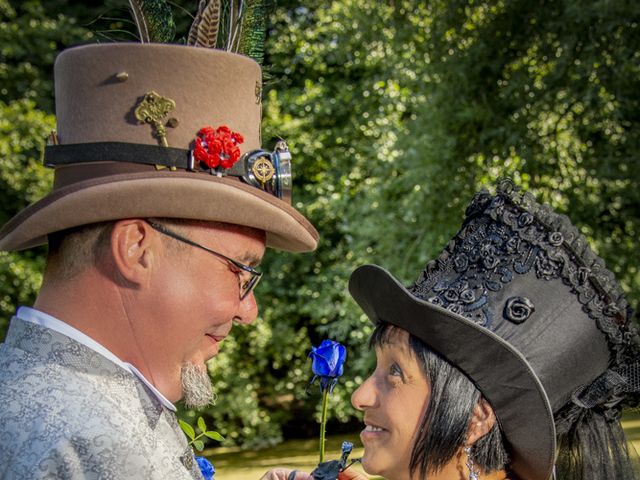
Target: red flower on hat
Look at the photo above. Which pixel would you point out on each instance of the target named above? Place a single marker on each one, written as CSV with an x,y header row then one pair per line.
x,y
217,147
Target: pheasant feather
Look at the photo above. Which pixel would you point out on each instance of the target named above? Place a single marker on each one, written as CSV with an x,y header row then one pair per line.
x,y
208,25
193,31
153,19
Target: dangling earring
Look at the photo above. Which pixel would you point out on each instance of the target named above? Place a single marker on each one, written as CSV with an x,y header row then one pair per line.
x,y
474,473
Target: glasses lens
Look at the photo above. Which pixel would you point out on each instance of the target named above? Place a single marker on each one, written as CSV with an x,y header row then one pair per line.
x,y
247,287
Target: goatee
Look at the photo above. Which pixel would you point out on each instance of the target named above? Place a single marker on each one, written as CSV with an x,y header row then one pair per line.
x,y
197,390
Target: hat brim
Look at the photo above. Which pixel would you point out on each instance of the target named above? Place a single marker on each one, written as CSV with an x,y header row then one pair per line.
x,y
160,194
501,373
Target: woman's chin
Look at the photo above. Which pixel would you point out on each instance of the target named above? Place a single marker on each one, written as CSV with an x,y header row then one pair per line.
x,y
369,464
375,465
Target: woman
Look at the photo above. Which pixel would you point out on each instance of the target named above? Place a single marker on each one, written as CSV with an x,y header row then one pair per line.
x,y
511,356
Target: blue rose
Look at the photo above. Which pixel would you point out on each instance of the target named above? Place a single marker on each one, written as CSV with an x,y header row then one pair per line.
x,y
328,363
206,467
328,359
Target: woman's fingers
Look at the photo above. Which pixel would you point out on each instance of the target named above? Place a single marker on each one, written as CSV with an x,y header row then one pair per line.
x,y
352,474
286,474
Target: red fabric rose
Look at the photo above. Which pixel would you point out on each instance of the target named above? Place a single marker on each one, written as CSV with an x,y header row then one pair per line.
x,y
217,147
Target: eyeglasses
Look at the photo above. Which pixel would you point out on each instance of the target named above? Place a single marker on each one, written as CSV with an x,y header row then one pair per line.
x,y
245,287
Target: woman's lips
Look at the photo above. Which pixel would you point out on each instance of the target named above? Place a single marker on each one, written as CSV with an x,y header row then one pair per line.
x,y
372,431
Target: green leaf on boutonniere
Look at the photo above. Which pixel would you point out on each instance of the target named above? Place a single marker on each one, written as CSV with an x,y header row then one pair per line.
x,y
187,429
198,445
202,425
214,436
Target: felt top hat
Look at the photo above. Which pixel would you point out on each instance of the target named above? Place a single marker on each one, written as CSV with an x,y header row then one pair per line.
x,y
161,130
527,311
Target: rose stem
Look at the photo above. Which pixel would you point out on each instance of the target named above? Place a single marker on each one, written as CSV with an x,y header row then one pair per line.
x,y
323,422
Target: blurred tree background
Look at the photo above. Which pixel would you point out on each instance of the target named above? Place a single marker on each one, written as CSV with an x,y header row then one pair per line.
x,y
396,113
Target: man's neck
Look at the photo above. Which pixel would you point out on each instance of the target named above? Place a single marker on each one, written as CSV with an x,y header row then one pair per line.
x,y
83,302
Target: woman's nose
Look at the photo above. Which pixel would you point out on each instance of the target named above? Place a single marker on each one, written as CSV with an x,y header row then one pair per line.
x,y
365,396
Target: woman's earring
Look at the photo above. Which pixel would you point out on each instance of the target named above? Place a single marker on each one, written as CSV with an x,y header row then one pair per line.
x,y
474,474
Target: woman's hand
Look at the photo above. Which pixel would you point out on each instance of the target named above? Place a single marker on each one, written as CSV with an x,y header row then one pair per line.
x,y
352,474
287,474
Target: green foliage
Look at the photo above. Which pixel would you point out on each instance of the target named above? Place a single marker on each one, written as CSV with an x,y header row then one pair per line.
x,y
396,113
29,40
23,179
195,440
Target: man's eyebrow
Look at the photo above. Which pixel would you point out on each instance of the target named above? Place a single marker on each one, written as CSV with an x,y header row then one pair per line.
x,y
252,260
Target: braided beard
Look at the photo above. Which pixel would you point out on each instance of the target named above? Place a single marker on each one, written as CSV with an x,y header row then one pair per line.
x,y
197,390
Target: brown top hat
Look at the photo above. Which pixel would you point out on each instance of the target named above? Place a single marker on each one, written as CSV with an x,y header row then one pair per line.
x,y
159,130
521,304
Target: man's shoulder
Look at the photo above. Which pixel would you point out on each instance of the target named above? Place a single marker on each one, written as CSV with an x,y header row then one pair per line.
x,y
64,421
39,366
41,395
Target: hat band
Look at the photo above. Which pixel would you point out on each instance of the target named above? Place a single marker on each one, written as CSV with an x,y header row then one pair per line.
x,y
250,168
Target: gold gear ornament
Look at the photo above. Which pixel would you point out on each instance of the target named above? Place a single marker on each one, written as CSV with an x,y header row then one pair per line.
x,y
263,170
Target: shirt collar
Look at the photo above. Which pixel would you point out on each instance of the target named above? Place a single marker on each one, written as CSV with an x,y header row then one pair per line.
x,y
32,315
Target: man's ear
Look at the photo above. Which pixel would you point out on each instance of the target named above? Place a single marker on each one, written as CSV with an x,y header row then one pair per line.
x,y
133,246
482,421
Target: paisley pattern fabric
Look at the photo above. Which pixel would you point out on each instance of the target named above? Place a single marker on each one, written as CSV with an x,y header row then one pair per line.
x,y
67,412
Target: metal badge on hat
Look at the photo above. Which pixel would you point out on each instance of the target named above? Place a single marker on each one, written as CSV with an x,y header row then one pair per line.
x,y
152,109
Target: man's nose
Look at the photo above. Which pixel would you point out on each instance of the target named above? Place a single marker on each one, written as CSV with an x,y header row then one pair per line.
x,y
247,310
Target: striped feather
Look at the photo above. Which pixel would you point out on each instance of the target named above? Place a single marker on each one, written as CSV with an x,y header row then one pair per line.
x,y
193,31
209,24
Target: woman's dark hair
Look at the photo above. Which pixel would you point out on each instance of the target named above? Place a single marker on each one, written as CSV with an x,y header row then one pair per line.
x,y
443,429
592,446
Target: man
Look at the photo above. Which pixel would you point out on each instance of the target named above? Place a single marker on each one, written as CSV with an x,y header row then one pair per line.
x,y
160,213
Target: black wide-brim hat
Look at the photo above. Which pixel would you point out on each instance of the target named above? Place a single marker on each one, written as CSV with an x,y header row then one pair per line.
x,y
519,303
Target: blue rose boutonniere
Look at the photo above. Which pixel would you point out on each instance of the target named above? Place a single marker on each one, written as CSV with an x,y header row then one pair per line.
x,y
206,467
197,443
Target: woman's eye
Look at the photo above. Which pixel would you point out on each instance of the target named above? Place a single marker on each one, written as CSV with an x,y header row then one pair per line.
x,y
396,371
